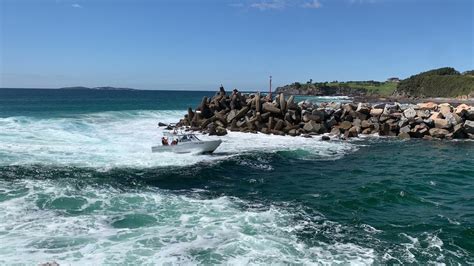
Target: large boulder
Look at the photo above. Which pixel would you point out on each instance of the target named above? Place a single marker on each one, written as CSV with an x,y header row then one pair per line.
x,y
423,113
445,108
470,115
279,124
376,111
366,124
441,123
240,123
310,117
220,131
379,105
405,129
453,118
427,106
319,112
282,103
403,122
333,105
389,128
269,107
241,113
231,115
331,122
404,135
335,131
458,132
461,109
419,131
293,132
345,125
396,115
349,107
438,133
312,127
351,133
436,115
391,108
468,127
363,108
409,113
211,129
357,122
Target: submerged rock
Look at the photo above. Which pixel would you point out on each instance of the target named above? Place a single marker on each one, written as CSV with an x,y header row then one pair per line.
x,y
404,135
438,133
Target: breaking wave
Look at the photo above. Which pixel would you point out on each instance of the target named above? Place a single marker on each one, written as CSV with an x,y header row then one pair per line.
x,y
124,139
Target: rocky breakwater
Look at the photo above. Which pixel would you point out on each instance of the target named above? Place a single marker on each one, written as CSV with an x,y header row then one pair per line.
x,y
282,116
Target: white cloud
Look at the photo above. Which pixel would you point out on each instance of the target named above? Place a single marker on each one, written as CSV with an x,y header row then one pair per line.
x,y
266,5
281,4
362,1
76,5
312,4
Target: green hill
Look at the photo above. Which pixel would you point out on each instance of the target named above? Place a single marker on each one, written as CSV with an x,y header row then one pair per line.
x,y
340,88
442,82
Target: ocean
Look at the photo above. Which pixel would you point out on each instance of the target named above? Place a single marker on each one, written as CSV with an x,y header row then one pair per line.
x,y
79,185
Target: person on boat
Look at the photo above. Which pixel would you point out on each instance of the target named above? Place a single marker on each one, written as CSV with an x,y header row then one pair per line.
x,y
164,141
174,142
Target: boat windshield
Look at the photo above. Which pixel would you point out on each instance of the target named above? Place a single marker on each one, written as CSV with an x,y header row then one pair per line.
x,y
188,137
182,137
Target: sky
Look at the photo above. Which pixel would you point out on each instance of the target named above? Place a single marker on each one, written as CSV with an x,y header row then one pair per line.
x,y
199,44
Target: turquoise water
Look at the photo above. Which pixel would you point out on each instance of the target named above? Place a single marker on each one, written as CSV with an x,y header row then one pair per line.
x,y
78,184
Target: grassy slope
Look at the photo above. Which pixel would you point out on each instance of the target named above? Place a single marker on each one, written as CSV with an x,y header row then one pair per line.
x,y
372,88
383,88
443,82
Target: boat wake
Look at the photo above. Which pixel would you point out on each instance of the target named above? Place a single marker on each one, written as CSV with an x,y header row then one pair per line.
x,y
53,220
124,139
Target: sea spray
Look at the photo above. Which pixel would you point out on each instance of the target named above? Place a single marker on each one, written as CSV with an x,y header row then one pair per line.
x,y
124,139
96,224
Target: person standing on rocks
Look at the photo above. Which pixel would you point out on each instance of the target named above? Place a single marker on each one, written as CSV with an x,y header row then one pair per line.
x,y
222,90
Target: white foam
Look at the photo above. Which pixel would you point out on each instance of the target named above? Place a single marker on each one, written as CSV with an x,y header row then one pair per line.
x,y
185,229
124,139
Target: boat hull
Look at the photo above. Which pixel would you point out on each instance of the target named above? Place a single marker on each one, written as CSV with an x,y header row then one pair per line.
x,y
189,147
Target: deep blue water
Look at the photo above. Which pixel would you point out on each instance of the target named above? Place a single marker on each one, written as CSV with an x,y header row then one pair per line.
x,y
78,184
44,102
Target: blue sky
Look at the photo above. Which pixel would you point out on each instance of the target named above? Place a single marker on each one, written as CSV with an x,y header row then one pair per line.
x,y
199,44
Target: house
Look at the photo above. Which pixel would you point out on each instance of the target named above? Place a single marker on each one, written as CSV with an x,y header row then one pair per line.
x,y
393,79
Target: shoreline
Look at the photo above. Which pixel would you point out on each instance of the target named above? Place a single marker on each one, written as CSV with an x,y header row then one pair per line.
x,y
397,117
408,100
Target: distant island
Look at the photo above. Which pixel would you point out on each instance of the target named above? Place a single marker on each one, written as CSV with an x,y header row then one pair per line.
x,y
106,88
441,82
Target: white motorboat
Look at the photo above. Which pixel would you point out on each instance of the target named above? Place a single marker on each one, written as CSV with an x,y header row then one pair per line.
x,y
186,143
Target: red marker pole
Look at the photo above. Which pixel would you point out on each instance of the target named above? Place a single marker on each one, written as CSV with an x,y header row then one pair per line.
x,y
270,87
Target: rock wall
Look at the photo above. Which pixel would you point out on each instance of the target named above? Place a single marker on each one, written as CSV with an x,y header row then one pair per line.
x,y
282,116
